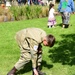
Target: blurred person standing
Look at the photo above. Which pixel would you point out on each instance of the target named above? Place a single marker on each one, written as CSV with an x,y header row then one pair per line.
x,y
66,7
51,16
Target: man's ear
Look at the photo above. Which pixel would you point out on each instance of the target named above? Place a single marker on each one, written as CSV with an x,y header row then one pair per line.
x,y
45,40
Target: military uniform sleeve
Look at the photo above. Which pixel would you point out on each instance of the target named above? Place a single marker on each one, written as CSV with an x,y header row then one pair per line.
x,y
34,50
34,60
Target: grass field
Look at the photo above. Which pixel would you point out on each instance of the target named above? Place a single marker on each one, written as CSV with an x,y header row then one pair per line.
x,y
59,60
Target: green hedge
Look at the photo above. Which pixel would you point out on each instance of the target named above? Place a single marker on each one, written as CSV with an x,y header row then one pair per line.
x,y
29,12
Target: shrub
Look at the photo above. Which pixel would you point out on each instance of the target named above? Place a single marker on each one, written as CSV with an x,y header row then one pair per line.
x,y
29,12
5,15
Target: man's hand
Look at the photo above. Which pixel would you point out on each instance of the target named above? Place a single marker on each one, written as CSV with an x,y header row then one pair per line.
x,y
35,72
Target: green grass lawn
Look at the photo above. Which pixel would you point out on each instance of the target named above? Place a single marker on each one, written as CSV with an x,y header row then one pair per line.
x,y
59,60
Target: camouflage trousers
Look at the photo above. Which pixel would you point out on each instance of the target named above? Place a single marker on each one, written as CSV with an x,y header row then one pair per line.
x,y
65,18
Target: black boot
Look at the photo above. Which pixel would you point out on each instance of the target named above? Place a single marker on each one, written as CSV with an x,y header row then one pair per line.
x,y
12,72
39,72
66,25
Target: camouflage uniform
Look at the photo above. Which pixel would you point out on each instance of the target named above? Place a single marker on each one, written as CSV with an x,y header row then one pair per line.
x,y
28,41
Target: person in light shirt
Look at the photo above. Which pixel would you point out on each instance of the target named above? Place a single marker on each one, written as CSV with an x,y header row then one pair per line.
x,y
29,41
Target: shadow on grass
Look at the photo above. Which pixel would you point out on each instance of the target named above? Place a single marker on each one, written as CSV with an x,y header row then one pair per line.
x,y
46,65
60,24
28,67
65,52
